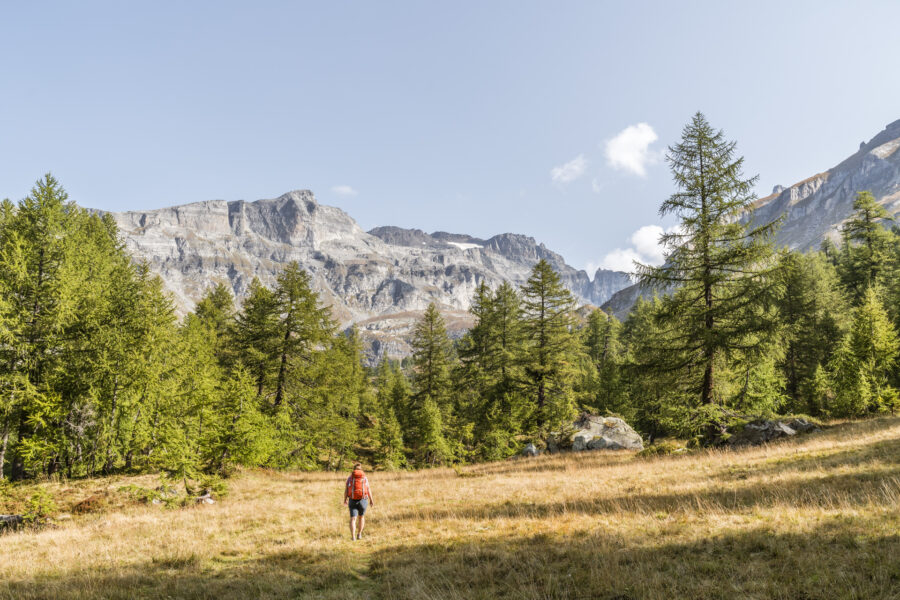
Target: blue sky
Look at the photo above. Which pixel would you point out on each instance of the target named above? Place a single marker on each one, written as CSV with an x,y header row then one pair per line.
x,y
543,118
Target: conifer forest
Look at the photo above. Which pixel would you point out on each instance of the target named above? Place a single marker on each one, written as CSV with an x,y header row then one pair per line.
x,y
98,375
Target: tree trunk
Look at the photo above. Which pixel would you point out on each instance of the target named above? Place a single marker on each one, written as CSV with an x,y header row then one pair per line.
x,y
793,384
708,374
282,369
4,440
18,463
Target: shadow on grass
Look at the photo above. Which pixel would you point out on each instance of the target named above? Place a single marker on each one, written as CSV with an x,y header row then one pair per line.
x,y
843,558
832,562
276,575
872,487
875,453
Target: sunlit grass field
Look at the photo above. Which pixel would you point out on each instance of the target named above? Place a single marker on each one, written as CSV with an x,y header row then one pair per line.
x,y
815,517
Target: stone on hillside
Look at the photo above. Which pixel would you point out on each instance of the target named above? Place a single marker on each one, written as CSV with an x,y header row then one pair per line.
x,y
593,432
530,450
802,426
11,522
763,431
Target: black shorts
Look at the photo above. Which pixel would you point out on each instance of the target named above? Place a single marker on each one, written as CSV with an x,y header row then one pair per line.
x,y
358,507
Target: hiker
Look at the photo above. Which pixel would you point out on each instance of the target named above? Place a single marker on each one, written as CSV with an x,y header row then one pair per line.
x,y
358,496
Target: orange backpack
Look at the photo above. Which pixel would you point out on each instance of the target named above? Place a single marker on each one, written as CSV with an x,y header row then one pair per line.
x,y
358,485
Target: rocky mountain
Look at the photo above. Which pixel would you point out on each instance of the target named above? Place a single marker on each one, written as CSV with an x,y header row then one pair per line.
x,y
379,280
814,209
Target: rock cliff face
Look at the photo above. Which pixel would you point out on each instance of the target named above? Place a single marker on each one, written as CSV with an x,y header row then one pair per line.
x,y
380,280
814,209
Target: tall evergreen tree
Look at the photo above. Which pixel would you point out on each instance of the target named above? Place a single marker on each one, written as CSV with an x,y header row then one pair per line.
x,y
490,375
867,258
602,382
431,387
812,310
303,326
256,334
551,355
721,265
864,366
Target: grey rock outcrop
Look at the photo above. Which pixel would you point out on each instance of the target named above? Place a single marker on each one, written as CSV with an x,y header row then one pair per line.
x,y
11,522
530,450
604,433
815,208
763,431
380,281
593,432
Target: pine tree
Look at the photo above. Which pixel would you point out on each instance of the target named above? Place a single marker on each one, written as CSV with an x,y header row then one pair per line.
x,y
431,387
551,354
865,363
602,386
490,378
811,309
303,326
721,265
216,311
866,258
431,357
256,335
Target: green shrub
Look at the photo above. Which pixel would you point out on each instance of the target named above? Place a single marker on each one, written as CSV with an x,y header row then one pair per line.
x,y
39,506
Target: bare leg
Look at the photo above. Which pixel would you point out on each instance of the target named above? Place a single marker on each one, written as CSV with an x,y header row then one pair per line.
x,y
352,528
362,524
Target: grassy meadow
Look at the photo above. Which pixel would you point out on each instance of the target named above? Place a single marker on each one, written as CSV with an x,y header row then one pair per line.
x,y
815,517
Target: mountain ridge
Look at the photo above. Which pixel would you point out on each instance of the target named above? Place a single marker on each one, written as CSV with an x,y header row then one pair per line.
x,y
379,280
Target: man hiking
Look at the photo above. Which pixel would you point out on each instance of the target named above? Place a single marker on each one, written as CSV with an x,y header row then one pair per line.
x,y
358,496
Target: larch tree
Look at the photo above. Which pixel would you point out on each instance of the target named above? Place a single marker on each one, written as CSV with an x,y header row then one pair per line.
x,y
431,387
551,352
720,262
490,375
602,386
864,366
867,256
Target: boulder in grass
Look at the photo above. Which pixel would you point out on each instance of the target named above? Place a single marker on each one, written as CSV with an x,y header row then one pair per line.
x,y
763,431
11,522
530,450
593,432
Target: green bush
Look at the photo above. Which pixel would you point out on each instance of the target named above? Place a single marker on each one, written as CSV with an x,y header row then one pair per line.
x,y
39,506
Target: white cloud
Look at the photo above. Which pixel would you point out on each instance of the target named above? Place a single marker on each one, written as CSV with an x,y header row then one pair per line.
x,y
570,171
645,248
620,259
596,186
646,242
344,190
630,149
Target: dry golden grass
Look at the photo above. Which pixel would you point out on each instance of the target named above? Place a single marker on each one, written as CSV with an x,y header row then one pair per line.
x,y
809,518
